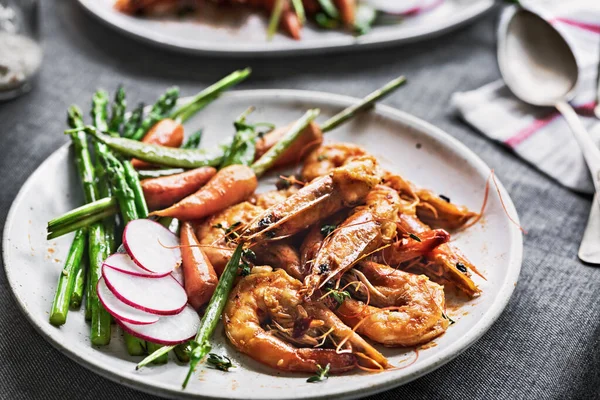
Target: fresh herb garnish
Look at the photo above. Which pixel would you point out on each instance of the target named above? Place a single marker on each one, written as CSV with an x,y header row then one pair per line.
x,y
230,232
339,296
414,237
445,198
326,229
461,267
222,363
326,22
322,157
248,255
321,375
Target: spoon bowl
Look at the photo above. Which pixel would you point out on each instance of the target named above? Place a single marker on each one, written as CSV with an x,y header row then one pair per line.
x,y
536,62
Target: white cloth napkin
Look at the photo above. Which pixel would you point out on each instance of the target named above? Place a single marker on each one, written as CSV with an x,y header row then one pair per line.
x,y
540,135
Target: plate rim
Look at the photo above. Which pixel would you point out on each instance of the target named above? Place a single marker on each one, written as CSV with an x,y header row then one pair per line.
x,y
451,351
472,11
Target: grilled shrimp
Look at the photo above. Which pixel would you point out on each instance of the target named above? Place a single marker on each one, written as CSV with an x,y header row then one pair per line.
x,y
346,186
218,233
404,309
324,159
361,233
445,264
264,314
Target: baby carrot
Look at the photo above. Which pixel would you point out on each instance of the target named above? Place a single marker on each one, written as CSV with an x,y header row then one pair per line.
x,y
165,191
238,182
199,277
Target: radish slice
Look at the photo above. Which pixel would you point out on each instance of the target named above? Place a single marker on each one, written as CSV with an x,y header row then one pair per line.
x,y
163,296
168,331
120,310
124,263
148,243
404,7
178,275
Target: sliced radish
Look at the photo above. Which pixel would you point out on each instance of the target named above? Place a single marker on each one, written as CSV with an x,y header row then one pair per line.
x,y
152,246
163,296
168,331
120,310
178,275
404,7
123,263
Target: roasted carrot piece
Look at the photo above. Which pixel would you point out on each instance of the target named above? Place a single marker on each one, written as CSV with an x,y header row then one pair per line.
x,y
347,9
166,132
165,191
229,186
290,23
199,277
310,138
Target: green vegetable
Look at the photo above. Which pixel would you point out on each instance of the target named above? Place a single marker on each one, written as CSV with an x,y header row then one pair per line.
x,y
193,142
182,352
80,279
321,375
66,280
270,157
326,229
299,9
87,210
222,363
153,347
366,103
161,155
134,121
209,94
243,148
124,194
118,110
326,22
339,296
81,223
101,319
201,346
274,19
160,110
329,8
133,181
136,347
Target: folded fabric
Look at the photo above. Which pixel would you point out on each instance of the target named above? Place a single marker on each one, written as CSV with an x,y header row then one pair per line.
x,y
540,135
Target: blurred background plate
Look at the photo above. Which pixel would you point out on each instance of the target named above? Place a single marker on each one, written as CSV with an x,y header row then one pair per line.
x,y
241,32
403,143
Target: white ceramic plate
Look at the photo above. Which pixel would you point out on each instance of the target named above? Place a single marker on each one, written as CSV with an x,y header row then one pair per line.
x,y
244,33
403,143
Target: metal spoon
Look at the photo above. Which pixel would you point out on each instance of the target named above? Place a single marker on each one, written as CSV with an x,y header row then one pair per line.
x,y
539,68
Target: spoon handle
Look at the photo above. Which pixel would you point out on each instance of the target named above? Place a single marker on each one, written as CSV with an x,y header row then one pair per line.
x,y
590,151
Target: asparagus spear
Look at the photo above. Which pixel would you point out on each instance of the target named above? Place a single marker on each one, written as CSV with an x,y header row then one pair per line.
x,y
268,159
66,281
201,346
80,277
73,274
364,104
87,210
134,121
200,101
163,358
193,142
118,110
133,180
160,110
101,239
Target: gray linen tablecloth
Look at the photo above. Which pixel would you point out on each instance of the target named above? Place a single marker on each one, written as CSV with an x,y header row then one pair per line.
x,y
546,344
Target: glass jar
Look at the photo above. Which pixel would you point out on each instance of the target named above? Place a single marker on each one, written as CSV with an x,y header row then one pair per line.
x,y
20,50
